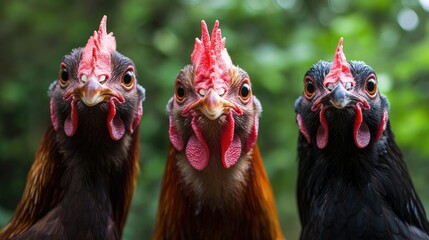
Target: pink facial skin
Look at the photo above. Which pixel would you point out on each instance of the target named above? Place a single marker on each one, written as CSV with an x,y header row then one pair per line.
x,y
211,68
340,73
95,68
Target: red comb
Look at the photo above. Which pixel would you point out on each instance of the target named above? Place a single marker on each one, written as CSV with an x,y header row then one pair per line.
x,y
96,54
340,70
211,60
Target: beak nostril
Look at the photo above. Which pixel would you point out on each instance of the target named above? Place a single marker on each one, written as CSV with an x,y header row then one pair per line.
x,y
84,78
348,86
202,92
330,86
102,79
221,92
340,97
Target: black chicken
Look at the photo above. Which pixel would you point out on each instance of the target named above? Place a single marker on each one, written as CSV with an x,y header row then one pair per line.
x,y
352,182
83,176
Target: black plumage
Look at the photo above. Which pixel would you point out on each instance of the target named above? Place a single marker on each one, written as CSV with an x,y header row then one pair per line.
x,y
347,191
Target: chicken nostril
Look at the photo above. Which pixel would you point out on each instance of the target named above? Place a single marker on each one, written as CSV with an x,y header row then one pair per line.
x,y
330,86
84,78
202,92
102,79
221,92
348,86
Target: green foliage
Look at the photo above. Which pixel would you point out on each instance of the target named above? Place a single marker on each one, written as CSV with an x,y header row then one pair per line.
x,y
274,41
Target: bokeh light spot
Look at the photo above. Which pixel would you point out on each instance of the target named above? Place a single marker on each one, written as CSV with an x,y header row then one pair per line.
x,y
408,19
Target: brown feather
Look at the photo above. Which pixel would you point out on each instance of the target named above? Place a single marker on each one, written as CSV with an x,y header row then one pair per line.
x,y
253,216
43,189
41,192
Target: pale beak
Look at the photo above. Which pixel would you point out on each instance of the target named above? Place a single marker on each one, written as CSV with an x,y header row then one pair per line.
x,y
340,97
93,92
212,105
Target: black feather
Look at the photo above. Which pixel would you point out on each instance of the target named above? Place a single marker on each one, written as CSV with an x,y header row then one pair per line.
x,y
346,192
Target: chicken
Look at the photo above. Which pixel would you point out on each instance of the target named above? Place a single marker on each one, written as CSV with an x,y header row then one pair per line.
x,y
353,182
84,172
214,184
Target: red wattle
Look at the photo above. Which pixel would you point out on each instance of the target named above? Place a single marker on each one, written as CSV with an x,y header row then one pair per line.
x,y
361,132
230,144
197,150
196,154
232,154
115,124
322,135
70,124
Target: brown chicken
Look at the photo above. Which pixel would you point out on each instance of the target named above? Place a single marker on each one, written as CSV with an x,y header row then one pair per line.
x,y
215,185
83,176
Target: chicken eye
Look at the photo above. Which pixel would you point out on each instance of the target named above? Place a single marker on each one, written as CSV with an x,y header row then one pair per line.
x,y
309,88
180,92
371,87
128,80
245,91
64,76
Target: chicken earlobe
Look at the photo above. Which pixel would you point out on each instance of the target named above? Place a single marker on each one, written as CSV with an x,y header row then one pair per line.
x,y
174,136
302,128
382,126
253,135
138,115
197,150
54,117
70,123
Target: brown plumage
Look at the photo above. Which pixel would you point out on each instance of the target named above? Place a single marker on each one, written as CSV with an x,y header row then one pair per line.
x,y
215,185
84,173
253,216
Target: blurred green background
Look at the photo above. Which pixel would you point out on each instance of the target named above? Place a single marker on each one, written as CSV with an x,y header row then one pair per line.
x,y
275,41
